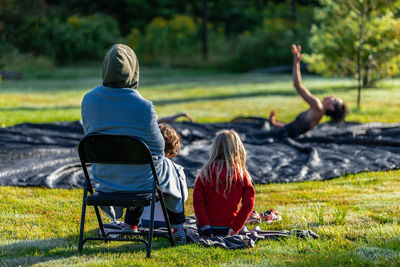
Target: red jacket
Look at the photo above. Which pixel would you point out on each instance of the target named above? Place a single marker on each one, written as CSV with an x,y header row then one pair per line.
x,y
212,208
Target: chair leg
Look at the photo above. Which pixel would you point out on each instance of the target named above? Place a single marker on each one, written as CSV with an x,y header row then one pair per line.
x,y
96,209
103,233
166,218
151,226
80,246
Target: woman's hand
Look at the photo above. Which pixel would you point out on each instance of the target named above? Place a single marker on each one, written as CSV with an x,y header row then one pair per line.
x,y
296,51
231,232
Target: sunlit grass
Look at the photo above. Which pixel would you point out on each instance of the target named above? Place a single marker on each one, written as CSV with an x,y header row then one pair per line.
x,y
39,226
208,96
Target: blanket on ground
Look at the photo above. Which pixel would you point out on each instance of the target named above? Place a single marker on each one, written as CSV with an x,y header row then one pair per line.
x,y
244,239
46,154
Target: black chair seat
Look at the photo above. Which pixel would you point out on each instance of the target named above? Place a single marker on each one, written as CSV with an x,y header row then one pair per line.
x,y
119,199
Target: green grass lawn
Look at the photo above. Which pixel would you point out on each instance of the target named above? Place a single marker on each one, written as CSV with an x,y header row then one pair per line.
x,y
357,216
209,96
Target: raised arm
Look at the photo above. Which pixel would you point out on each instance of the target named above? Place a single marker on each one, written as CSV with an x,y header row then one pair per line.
x,y
174,117
313,101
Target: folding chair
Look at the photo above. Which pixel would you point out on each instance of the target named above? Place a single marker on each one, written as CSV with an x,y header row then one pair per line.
x,y
119,149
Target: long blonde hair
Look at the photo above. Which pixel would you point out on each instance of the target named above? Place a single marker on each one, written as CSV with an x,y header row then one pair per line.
x,y
227,149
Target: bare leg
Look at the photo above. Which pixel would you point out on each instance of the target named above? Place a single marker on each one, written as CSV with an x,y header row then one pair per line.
x,y
273,121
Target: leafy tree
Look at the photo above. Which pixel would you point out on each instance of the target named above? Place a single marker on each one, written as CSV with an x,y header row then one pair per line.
x,y
359,38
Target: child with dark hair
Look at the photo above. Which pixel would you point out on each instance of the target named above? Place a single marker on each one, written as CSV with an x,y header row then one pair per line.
x,y
171,150
172,140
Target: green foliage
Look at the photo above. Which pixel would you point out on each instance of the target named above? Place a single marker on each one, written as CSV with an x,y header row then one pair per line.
x,y
76,38
336,39
242,35
4,47
172,42
155,39
132,39
269,44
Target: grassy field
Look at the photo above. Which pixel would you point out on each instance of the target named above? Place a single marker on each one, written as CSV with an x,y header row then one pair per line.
x,y
209,96
357,216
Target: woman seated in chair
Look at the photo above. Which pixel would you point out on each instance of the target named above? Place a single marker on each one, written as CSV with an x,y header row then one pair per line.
x,y
116,107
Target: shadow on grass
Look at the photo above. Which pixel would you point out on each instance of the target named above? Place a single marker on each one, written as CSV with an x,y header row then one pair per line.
x,y
171,101
187,84
40,108
220,97
29,252
150,77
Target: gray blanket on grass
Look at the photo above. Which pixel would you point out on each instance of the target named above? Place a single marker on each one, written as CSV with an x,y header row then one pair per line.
x,y
245,239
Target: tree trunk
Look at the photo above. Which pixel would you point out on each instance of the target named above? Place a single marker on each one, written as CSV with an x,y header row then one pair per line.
x,y
359,56
294,19
367,78
204,31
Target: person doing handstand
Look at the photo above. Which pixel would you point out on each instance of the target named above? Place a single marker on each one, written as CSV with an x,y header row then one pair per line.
x,y
331,106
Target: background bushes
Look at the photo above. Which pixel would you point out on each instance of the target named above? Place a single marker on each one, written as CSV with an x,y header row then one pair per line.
x,y
242,35
167,42
76,38
177,41
269,44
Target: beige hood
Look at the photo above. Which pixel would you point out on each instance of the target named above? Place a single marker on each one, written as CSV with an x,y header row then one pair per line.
x,y
120,67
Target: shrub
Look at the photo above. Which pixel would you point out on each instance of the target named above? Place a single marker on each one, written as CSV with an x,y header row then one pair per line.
x,y
76,38
266,46
269,44
183,33
133,38
167,42
155,40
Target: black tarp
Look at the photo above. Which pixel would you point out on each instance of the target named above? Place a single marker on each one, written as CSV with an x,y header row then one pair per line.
x,y
46,154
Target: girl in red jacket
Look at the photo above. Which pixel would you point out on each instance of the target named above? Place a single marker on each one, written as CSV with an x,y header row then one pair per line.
x,y
221,185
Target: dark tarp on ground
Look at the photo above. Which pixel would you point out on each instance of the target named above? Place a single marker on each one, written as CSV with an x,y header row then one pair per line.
x,y
46,154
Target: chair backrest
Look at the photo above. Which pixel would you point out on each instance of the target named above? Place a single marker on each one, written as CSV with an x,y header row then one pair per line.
x,y
113,149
